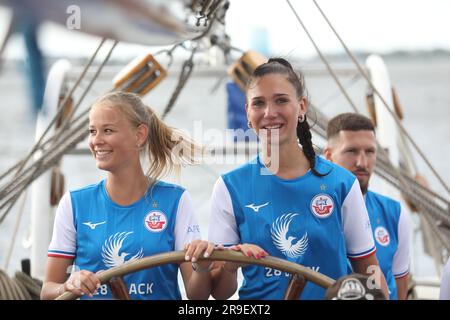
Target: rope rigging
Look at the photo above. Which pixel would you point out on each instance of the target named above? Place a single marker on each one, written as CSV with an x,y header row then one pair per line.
x,y
72,131
23,177
185,73
425,200
67,139
384,168
433,207
375,90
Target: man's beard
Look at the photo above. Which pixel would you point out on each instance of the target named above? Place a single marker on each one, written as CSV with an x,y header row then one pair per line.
x,y
364,186
363,177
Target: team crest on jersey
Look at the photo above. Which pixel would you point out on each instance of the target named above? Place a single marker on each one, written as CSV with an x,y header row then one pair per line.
x,y
291,246
322,206
382,236
155,221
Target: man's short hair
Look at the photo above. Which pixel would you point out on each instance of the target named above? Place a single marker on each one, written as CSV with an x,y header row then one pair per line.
x,y
348,122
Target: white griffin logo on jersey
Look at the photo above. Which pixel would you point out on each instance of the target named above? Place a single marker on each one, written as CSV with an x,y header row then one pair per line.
x,y
285,244
112,257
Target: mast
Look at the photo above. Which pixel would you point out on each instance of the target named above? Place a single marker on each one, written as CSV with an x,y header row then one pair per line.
x,y
42,211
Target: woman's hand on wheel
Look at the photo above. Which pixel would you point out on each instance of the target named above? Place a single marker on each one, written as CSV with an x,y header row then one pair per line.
x,y
199,248
250,250
82,283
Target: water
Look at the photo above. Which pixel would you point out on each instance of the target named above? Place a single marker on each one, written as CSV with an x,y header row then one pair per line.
x,y
423,87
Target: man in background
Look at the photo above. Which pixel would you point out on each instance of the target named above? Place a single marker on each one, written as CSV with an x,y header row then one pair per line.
x,y
352,145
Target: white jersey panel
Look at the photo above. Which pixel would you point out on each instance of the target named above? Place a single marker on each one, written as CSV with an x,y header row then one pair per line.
x,y
63,243
357,229
400,264
222,223
186,225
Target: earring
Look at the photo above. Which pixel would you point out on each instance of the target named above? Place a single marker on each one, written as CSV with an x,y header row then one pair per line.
x,y
249,124
301,118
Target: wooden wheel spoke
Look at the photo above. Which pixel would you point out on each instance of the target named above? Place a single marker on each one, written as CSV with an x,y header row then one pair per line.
x,y
118,288
295,287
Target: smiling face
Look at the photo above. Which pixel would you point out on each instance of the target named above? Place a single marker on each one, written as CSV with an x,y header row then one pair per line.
x,y
273,108
356,151
112,140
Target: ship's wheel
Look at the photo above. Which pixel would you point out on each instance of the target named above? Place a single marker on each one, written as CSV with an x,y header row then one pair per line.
x,y
300,274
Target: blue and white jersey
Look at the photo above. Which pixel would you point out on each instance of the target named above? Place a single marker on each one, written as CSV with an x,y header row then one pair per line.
x,y
100,234
318,222
391,230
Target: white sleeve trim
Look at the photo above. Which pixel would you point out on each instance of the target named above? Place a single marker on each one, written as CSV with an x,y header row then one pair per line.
x,y
222,226
400,264
357,229
187,228
63,243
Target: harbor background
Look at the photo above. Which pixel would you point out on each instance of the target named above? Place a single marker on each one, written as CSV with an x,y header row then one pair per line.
x,y
422,82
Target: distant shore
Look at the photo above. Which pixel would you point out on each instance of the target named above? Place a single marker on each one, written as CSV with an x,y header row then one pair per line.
x,y
394,55
333,57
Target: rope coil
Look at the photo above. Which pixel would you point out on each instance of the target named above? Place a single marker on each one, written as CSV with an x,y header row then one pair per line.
x,y
21,287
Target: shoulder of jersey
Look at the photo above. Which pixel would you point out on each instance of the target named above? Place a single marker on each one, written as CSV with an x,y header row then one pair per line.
x,y
242,169
329,168
168,185
384,198
87,188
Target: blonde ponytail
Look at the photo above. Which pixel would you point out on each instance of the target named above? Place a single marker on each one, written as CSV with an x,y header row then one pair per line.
x,y
168,148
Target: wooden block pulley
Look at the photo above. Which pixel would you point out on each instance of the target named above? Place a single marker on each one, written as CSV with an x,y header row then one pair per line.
x,y
140,76
243,68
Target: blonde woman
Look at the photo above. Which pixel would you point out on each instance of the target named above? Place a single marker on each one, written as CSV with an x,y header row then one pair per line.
x,y
130,214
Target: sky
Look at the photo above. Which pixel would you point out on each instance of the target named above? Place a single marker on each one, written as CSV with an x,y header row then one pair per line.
x,y
373,25
370,25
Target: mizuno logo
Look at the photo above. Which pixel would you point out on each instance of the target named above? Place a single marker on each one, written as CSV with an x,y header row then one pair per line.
x,y
256,208
93,225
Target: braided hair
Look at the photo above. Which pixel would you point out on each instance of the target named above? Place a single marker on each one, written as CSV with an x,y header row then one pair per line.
x,y
282,66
